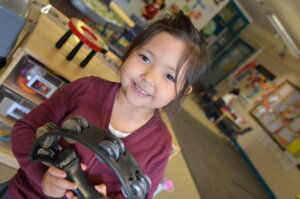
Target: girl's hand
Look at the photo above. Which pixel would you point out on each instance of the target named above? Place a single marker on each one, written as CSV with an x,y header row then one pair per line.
x,y
54,183
100,188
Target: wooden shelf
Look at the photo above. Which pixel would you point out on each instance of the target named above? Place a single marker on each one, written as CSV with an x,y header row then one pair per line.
x,y
7,121
6,156
5,72
10,82
40,45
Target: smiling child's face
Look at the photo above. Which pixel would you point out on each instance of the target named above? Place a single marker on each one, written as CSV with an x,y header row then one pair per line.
x,y
148,75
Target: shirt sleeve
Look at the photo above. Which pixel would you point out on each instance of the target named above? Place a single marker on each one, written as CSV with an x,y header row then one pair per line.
x,y
52,110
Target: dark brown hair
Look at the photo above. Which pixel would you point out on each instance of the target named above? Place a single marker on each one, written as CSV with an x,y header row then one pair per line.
x,y
196,54
235,91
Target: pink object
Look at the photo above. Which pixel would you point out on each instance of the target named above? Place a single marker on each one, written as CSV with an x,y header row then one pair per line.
x,y
168,185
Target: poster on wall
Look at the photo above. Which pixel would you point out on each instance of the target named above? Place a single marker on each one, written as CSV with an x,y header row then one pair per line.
x,y
279,115
252,79
200,11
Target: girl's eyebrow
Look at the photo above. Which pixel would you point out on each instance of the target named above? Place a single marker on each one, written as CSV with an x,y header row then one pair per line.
x,y
148,51
169,67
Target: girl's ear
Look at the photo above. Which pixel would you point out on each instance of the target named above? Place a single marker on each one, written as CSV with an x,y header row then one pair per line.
x,y
189,90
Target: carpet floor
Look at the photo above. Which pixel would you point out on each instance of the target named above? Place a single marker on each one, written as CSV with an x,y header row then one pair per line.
x,y
219,171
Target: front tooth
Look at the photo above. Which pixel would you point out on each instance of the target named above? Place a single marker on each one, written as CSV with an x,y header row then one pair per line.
x,y
145,93
142,91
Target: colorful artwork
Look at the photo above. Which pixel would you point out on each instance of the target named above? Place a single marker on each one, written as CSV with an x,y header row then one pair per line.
x,y
200,11
279,114
251,81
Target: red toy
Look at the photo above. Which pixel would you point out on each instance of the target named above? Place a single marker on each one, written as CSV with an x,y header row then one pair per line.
x,y
152,9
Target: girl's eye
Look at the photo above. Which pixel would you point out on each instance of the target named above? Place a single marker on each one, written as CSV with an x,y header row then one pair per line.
x,y
170,77
145,59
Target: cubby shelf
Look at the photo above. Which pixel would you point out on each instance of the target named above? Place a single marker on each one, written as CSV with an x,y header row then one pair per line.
x,y
6,156
6,120
35,98
39,44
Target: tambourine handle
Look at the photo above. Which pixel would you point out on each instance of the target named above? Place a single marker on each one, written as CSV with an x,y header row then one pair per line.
x,y
75,174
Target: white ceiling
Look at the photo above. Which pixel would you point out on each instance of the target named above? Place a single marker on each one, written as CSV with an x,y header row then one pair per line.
x,y
287,11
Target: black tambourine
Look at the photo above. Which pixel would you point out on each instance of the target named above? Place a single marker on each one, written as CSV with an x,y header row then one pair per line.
x,y
108,148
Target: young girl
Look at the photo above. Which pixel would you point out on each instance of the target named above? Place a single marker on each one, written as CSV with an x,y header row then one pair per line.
x,y
159,69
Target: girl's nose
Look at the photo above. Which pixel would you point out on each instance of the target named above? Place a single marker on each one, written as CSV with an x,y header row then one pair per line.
x,y
149,76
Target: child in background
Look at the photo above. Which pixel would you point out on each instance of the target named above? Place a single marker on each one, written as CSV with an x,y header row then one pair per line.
x,y
159,69
231,96
228,99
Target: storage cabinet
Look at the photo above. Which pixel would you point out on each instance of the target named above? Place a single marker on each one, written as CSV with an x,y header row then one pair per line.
x,y
24,84
9,78
5,130
33,78
12,105
34,74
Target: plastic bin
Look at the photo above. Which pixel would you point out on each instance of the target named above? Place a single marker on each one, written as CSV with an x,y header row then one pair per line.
x,y
13,105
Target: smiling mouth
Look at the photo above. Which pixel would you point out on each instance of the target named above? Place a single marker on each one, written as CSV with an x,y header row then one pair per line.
x,y
139,90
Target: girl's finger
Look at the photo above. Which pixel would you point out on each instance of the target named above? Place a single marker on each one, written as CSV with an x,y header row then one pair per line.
x,y
54,190
102,189
83,166
63,183
57,172
70,195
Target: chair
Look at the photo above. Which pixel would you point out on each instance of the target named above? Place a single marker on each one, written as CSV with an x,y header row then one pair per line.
x,y
13,16
206,94
212,110
230,129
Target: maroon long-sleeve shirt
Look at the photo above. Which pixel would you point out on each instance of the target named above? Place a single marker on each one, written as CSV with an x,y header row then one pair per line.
x,y
93,99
